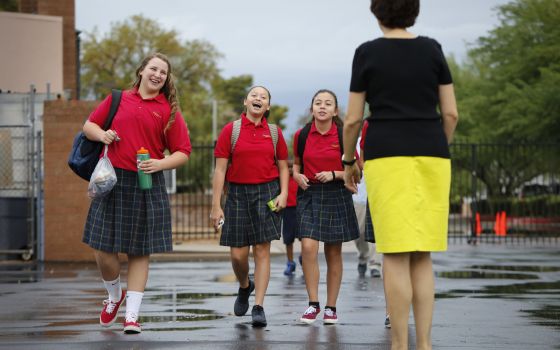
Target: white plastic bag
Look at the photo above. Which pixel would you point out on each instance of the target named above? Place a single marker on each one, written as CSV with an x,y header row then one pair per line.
x,y
103,178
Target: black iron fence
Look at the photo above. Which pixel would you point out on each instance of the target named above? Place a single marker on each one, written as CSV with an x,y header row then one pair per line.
x,y
505,192
191,199
499,193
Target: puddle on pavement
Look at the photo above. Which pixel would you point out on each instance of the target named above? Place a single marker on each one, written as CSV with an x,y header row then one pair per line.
x,y
446,296
191,297
547,315
72,323
32,273
485,275
523,268
194,311
10,279
177,329
48,334
230,277
540,288
181,318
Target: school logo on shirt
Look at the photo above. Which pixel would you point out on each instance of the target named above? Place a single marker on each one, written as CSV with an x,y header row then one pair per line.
x,y
156,114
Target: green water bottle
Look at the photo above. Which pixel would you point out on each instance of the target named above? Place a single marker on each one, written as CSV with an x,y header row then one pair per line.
x,y
144,180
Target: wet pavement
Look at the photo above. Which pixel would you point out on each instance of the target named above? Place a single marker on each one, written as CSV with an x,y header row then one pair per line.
x,y
487,297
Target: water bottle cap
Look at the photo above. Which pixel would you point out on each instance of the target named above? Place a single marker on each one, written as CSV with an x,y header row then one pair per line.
x,y
142,150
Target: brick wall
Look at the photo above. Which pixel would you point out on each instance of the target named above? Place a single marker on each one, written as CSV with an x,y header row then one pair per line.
x,y
66,200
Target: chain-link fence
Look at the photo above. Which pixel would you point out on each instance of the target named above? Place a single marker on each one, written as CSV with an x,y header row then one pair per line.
x,y
21,202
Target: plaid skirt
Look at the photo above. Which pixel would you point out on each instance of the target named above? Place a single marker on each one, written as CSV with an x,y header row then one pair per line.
x,y
325,212
130,220
248,220
369,235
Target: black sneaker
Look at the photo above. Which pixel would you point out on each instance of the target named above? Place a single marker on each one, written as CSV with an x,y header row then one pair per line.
x,y
242,302
259,319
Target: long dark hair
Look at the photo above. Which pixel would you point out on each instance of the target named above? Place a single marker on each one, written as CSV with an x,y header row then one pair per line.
x,y
336,119
168,88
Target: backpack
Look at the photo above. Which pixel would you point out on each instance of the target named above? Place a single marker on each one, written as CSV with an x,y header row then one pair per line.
x,y
302,140
273,128
85,153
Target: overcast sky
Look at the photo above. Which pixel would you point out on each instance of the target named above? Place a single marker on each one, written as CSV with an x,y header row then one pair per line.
x,y
293,47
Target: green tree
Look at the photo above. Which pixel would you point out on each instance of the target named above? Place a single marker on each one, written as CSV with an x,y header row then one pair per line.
x,y
9,5
508,89
110,61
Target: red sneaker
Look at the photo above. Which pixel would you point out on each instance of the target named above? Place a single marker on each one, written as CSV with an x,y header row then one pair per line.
x,y
310,315
329,316
109,312
132,327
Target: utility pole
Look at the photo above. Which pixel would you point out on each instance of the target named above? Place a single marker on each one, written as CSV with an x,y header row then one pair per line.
x,y
214,120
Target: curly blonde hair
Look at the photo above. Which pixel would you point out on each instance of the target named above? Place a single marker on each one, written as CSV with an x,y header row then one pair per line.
x,y
168,88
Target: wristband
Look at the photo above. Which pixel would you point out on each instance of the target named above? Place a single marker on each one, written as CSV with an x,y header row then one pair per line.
x,y
333,176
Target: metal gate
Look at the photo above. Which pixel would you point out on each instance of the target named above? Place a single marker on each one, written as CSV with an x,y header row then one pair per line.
x,y
21,174
505,193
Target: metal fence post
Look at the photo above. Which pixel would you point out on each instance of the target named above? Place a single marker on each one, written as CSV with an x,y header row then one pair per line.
x,y
474,208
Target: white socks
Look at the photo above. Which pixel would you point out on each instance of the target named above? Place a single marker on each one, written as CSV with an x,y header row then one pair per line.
x,y
133,301
114,289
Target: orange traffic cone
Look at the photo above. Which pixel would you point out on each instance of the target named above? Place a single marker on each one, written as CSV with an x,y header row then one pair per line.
x,y
504,224
478,226
497,224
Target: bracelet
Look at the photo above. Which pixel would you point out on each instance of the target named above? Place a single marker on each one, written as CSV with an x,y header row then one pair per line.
x,y
333,176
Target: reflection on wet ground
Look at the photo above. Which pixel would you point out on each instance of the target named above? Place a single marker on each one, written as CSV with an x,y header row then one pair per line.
x,y
539,291
517,268
486,275
518,289
194,302
547,315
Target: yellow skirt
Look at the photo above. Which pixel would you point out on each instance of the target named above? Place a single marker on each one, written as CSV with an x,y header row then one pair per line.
x,y
409,202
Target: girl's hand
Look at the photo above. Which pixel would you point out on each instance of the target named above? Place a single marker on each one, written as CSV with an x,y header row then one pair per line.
x,y
281,201
324,176
302,181
150,166
216,215
109,136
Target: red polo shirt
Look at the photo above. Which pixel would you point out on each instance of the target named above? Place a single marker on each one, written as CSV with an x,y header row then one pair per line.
x,y
140,123
364,131
322,152
292,192
253,158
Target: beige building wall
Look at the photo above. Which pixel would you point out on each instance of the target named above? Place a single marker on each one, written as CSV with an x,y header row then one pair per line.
x,y
31,52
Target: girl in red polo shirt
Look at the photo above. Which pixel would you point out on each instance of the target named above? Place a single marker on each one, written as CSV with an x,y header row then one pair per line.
x,y
130,220
325,211
256,175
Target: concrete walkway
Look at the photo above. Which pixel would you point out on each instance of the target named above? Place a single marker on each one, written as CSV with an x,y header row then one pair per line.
x,y
488,297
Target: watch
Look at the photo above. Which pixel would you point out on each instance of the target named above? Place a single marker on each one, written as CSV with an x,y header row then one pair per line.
x,y
348,162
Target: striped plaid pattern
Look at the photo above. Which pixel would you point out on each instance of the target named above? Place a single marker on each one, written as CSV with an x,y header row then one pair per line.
x,y
130,220
325,212
369,235
248,220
